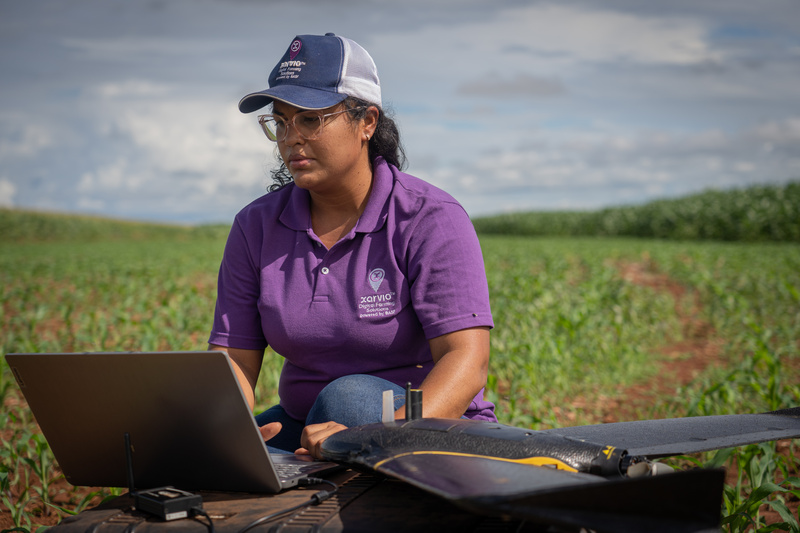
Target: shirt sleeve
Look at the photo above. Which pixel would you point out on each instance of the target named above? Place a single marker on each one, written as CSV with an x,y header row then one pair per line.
x,y
449,290
237,321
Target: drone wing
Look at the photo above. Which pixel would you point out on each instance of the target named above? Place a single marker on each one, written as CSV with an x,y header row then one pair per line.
x,y
680,502
501,470
576,477
679,436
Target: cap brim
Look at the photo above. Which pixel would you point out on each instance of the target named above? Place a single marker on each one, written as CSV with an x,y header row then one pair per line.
x,y
296,95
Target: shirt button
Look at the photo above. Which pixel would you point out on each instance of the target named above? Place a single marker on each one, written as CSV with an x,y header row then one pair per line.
x,y
325,270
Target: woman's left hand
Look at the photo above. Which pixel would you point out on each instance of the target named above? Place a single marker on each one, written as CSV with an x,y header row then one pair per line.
x,y
270,430
314,435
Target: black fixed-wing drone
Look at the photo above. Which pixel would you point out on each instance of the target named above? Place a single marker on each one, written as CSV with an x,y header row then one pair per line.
x,y
598,477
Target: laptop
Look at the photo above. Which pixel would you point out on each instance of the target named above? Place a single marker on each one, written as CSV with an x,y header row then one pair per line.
x,y
184,414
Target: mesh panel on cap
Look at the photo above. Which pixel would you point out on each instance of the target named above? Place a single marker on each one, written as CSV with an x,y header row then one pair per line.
x,y
359,74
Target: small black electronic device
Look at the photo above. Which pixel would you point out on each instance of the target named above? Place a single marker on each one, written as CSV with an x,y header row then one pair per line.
x,y
168,503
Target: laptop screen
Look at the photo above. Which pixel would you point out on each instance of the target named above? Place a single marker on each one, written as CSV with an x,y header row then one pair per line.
x,y
188,421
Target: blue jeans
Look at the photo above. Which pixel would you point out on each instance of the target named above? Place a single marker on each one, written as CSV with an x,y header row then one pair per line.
x,y
350,400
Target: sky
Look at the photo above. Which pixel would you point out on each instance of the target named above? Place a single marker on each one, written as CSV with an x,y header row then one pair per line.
x,y
128,108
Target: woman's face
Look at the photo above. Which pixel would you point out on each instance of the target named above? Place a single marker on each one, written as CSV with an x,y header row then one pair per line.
x,y
327,162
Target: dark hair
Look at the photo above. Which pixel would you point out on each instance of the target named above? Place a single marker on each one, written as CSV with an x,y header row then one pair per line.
x,y
385,142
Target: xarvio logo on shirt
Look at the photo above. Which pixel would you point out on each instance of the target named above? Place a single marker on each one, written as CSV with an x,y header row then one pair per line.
x,y
376,277
379,304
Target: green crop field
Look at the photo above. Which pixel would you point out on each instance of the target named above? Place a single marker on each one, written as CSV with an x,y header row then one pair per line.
x,y
586,330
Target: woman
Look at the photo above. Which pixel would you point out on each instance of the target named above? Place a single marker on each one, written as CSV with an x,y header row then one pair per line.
x,y
362,277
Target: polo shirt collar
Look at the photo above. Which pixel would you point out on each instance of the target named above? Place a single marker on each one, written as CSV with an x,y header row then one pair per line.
x,y
374,216
297,213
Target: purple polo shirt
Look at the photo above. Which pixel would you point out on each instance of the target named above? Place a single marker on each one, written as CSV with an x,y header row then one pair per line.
x,y
410,270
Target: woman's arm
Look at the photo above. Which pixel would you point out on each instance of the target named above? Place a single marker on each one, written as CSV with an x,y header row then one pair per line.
x,y
461,365
246,366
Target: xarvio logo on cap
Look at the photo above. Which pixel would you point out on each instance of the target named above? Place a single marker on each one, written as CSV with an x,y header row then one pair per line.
x,y
294,49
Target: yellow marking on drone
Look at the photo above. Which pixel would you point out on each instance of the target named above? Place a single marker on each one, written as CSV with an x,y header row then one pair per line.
x,y
608,451
533,461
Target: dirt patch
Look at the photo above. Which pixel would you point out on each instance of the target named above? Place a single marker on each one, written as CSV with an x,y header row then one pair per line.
x,y
60,494
680,361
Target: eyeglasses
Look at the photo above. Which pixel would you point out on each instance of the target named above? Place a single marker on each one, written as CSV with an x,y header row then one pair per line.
x,y
307,124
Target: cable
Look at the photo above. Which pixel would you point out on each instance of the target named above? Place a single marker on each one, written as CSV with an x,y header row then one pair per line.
x,y
200,511
322,495
315,499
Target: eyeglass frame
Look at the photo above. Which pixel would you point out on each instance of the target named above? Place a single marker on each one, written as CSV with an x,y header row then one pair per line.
x,y
262,120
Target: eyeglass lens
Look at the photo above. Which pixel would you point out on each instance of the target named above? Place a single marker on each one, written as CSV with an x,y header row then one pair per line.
x,y
307,124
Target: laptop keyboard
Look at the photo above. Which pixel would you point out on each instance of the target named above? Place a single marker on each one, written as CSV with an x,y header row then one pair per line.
x,y
288,471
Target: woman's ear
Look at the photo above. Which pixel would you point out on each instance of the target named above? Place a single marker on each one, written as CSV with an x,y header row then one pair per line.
x,y
370,122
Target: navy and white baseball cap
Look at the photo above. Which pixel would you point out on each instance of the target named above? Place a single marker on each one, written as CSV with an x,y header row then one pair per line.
x,y
319,71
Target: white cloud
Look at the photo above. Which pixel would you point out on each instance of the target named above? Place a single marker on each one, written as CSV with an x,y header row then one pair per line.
x,y
22,137
596,35
115,176
119,48
219,145
780,132
522,85
7,192
131,88
596,169
546,39
91,204
174,159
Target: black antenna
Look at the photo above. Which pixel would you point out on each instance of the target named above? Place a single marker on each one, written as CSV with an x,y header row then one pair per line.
x,y
129,463
413,403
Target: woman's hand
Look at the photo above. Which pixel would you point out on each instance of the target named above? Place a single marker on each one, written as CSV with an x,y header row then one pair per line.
x,y
270,430
314,435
